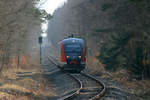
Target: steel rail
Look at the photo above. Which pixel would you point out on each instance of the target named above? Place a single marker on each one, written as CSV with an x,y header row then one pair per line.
x,y
76,79
77,92
54,62
101,92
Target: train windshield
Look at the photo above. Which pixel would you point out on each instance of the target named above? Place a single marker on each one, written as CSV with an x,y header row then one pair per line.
x,y
73,48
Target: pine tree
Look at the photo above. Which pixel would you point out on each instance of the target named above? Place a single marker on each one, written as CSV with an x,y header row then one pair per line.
x,y
113,57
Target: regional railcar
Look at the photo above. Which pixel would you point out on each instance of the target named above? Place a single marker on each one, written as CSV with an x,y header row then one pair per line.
x,y
73,54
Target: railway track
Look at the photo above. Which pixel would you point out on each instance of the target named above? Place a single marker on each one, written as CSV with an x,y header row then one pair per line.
x,y
89,88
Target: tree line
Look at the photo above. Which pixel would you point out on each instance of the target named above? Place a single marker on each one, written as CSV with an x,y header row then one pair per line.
x,y
20,22
118,29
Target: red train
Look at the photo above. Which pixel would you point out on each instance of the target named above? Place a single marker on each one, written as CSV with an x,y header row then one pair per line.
x,y
73,54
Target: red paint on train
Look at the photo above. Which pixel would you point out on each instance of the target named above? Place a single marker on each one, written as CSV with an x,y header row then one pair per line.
x,y
63,57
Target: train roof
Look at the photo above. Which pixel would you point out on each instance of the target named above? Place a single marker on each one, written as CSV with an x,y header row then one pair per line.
x,y
68,40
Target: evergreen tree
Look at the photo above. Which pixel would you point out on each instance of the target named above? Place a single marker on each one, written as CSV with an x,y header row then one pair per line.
x,y
113,56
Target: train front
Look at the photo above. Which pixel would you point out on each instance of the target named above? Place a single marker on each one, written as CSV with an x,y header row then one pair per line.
x,y
73,54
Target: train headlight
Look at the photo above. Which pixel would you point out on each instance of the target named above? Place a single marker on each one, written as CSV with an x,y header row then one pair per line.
x,y
67,56
73,41
79,57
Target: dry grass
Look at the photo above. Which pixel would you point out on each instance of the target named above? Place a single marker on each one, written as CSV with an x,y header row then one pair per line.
x,y
5,96
141,88
94,66
9,72
12,86
32,83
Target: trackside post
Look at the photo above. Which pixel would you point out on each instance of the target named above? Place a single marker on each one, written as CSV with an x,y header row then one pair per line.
x,y
40,42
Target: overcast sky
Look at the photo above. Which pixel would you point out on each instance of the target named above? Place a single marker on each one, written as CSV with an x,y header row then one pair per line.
x,y
51,5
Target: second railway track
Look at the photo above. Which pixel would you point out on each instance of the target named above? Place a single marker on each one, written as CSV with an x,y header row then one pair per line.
x,y
89,87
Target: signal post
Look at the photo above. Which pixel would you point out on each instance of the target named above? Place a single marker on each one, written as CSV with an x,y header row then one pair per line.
x,y
40,42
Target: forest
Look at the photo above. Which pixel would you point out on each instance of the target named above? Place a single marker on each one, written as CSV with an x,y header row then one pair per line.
x,y
20,25
117,35
117,32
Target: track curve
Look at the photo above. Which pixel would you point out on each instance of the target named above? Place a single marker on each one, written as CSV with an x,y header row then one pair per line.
x,y
90,88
